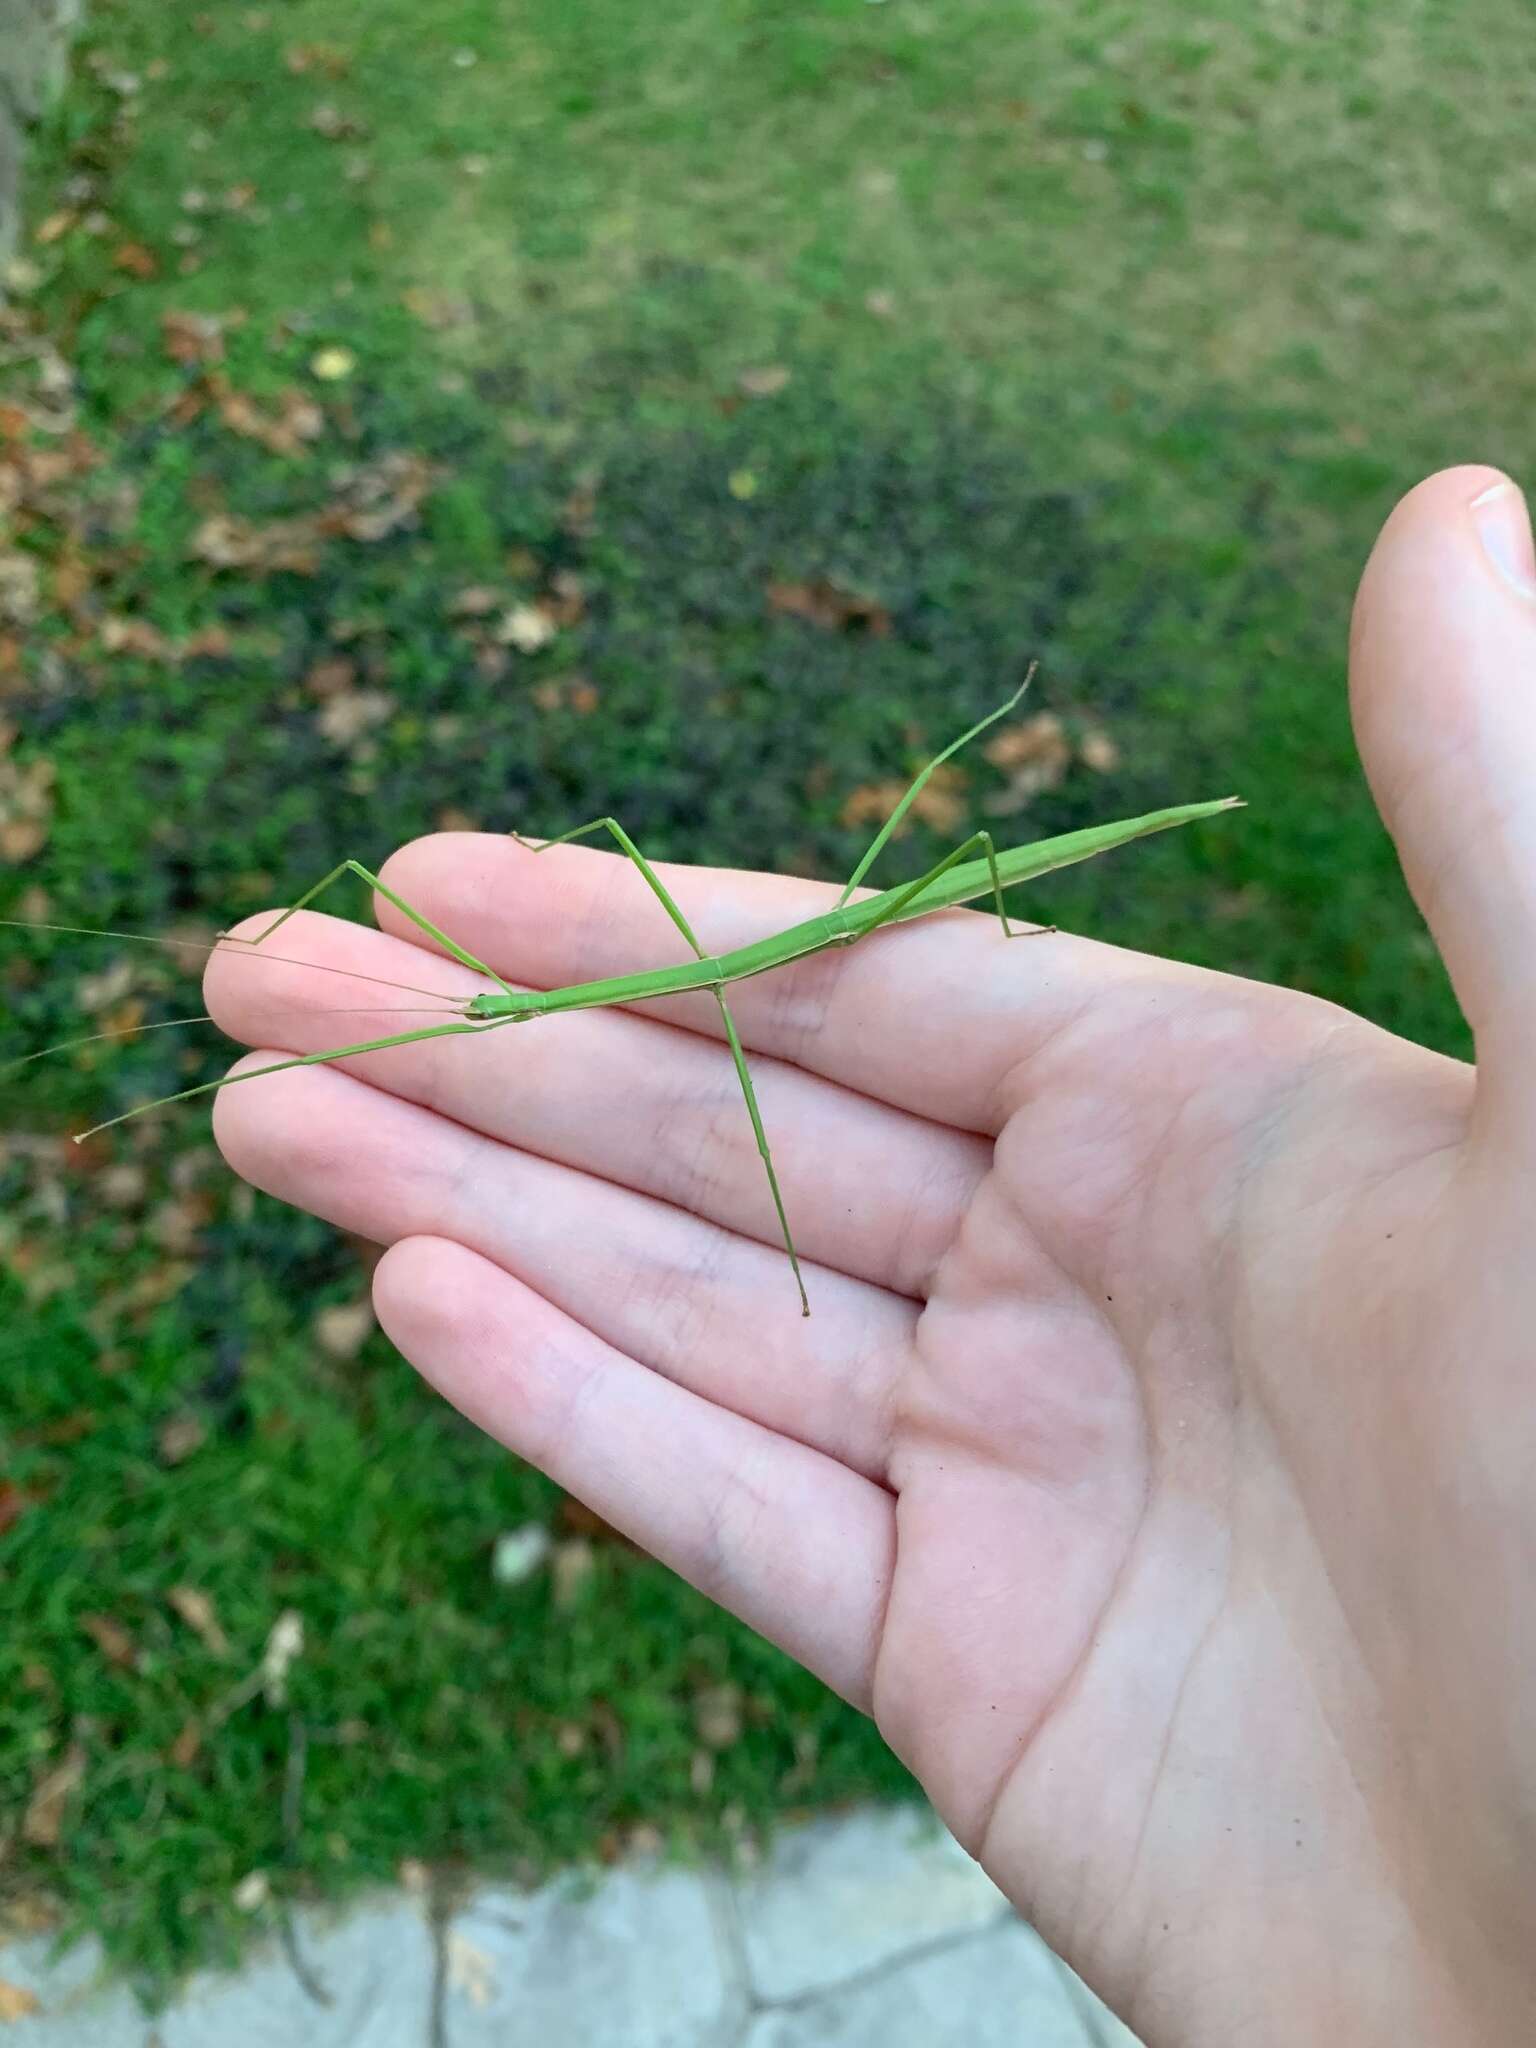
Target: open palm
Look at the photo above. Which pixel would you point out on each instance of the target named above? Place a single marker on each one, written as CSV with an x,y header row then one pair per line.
x,y
1155,1463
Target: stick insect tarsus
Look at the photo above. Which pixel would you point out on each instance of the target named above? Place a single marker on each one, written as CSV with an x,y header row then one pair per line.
x,y
973,870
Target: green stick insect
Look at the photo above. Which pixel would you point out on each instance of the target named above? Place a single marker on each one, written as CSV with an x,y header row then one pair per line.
x,y
975,868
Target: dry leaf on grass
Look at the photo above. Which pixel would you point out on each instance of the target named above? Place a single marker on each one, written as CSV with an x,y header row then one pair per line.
x,y
252,1892
527,627
938,803
19,587
288,431
117,634
112,1639
227,542
343,1329
283,1645
136,260
1034,755
766,382
331,677
14,1502
43,1821
179,1438
54,225
1096,750
184,1750
193,337
717,1715
826,604
26,808
325,58
570,1567
352,714
334,125
197,1611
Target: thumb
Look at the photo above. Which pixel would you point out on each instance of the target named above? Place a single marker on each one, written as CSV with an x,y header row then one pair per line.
x,y
1443,689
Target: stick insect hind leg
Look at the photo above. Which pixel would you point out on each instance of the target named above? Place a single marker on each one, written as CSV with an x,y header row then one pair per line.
x,y
732,1035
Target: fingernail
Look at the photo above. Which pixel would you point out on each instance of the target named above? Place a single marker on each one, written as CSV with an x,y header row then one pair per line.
x,y
1504,528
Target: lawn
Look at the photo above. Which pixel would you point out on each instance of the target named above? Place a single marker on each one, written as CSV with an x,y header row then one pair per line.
x,y
412,414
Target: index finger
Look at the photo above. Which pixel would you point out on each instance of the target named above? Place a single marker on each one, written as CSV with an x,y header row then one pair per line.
x,y
931,1016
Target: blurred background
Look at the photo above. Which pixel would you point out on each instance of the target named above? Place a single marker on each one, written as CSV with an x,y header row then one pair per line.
x,y
495,411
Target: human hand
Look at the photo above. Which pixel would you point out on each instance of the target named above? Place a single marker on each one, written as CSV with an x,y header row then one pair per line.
x,y
1156,1463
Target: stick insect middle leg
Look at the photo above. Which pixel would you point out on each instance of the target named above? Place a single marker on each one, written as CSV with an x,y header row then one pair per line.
x,y
732,1035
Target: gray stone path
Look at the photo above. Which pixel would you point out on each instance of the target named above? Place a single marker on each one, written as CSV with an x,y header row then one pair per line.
x,y
873,1930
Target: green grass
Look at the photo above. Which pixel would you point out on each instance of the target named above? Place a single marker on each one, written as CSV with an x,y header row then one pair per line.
x,y
1112,332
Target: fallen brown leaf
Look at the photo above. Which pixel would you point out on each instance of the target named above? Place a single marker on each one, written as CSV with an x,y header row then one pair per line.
x,y
330,677
26,808
288,431
577,693
1096,750
179,1438
112,1639
441,311
478,601
20,587
342,1329
345,718
227,542
189,1740
43,1820
765,382
14,1502
334,125
717,1715
571,1565
72,578
197,1611
119,635
54,225
325,58
826,604
284,1643
527,627
938,804
565,601
137,260
1034,755
16,2003
380,498
193,337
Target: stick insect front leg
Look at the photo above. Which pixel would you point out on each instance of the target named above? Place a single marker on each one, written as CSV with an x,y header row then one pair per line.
x,y
417,918
732,1035
978,842
462,1026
